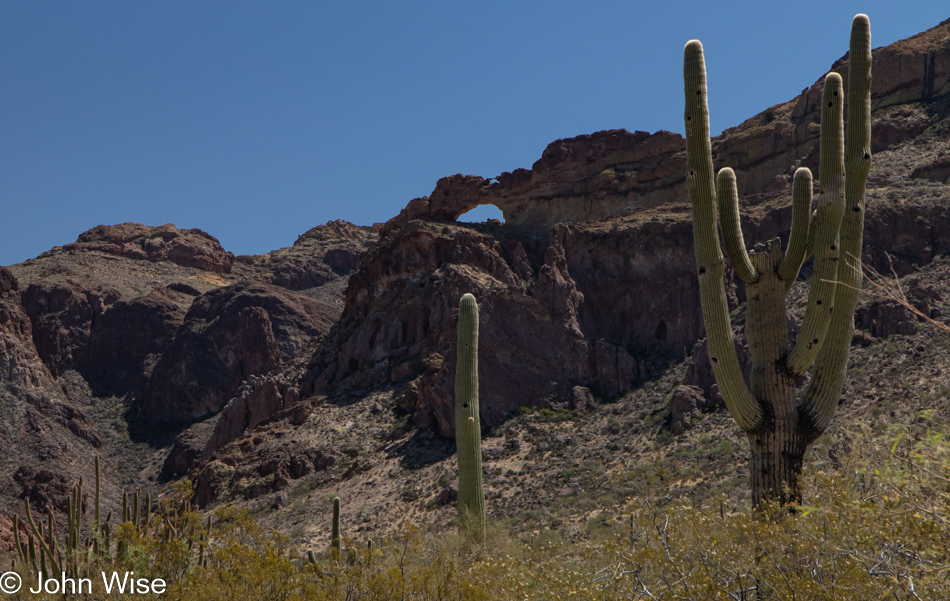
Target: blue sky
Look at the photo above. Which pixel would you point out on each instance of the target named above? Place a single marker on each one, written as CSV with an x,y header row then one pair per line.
x,y
255,121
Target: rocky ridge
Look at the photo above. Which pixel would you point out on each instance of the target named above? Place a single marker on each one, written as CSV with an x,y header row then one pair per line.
x,y
137,326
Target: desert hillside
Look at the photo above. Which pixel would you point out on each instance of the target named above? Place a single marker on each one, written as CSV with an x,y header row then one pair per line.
x,y
274,382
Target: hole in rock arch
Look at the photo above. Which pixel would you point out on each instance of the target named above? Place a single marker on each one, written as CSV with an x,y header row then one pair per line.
x,y
482,213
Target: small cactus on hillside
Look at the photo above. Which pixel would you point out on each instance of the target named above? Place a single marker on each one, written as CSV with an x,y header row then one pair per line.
x,y
335,529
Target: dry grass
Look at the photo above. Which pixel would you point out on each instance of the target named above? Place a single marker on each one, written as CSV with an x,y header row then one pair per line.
x,y
878,527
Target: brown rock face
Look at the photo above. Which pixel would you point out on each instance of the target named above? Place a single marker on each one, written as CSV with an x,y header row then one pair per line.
x,y
128,339
42,487
228,335
319,255
263,472
190,248
686,403
592,308
39,406
186,450
594,176
258,400
20,364
38,423
62,319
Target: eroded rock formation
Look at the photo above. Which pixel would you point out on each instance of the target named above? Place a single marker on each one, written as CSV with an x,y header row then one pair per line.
x,y
613,173
595,307
228,335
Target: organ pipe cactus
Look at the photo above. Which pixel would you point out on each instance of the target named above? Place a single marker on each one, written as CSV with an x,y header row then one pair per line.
x,y
38,550
471,497
779,423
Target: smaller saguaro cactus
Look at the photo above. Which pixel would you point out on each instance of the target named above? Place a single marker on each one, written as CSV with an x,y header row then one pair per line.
x,y
335,528
97,524
468,429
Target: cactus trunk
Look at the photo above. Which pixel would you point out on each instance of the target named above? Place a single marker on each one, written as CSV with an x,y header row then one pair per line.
x,y
777,454
467,424
779,425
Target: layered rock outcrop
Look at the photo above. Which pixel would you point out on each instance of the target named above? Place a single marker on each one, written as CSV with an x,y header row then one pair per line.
x,y
189,248
578,179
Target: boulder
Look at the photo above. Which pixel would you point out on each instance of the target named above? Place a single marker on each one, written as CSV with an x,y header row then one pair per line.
x,y
686,403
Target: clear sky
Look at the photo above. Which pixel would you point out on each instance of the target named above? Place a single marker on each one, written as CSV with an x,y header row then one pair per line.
x,y
255,121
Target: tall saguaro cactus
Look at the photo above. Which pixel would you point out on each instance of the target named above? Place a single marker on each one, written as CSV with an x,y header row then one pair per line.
x,y
780,424
467,425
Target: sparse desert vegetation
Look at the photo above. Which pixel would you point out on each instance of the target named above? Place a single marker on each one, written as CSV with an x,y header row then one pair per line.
x,y
877,526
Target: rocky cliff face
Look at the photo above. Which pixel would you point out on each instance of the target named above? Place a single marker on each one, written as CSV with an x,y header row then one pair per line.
x,y
591,309
228,335
164,319
39,423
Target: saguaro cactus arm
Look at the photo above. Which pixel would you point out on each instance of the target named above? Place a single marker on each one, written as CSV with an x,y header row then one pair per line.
x,y
745,409
16,540
796,254
824,390
821,294
98,484
467,425
731,230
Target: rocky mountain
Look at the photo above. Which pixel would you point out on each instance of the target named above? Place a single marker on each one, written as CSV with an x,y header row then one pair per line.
x,y
329,366
133,330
